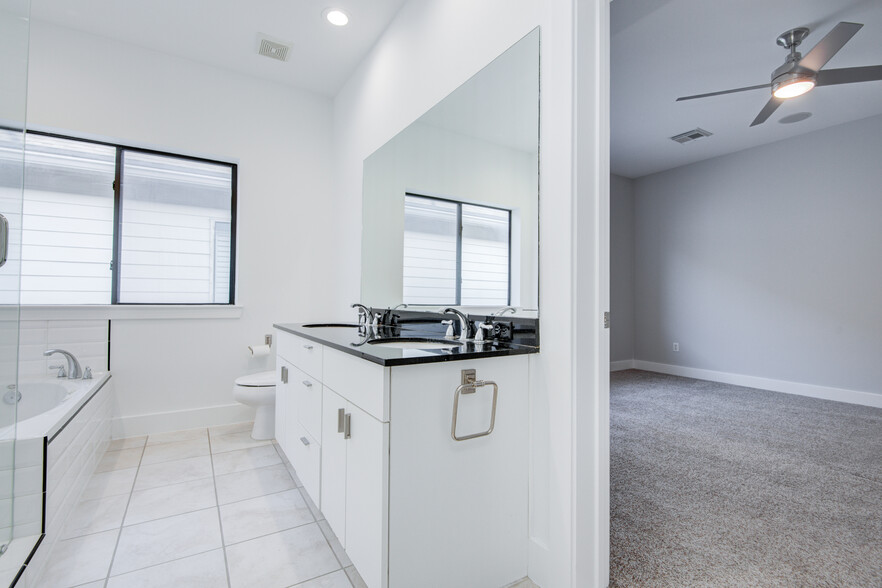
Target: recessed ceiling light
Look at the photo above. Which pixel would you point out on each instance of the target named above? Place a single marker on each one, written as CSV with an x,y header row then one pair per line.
x,y
336,17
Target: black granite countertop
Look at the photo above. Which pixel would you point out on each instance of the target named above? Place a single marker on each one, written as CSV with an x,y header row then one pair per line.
x,y
355,340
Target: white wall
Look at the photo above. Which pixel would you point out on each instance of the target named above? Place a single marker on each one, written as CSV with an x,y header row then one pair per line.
x,y
429,161
300,241
621,259
767,262
440,44
281,139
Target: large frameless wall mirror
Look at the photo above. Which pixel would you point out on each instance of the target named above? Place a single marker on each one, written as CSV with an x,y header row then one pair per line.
x,y
451,203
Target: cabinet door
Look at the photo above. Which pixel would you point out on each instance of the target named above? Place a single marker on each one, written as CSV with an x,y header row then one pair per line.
x,y
306,396
282,373
333,486
367,491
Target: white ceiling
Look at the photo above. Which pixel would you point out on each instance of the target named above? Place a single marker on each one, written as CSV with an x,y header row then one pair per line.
x,y
663,49
224,33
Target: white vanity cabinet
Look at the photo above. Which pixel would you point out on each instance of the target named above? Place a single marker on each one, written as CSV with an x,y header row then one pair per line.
x,y
354,499
298,407
412,506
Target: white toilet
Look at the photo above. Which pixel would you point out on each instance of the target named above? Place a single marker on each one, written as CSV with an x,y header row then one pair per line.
x,y
259,390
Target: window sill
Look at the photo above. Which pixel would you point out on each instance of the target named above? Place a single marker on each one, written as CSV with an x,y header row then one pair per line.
x,y
130,312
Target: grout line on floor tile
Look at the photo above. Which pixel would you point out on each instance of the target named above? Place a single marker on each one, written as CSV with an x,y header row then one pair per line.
x,y
239,448
125,512
220,521
169,485
162,563
174,460
138,524
331,547
261,496
266,467
178,440
276,532
322,576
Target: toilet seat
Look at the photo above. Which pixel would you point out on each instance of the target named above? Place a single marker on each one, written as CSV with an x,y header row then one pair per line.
x,y
259,391
258,379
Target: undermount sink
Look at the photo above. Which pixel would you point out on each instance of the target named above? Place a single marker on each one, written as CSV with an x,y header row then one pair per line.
x,y
416,343
325,325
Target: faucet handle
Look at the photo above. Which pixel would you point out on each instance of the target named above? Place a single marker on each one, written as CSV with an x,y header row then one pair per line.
x,y
87,373
481,328
60,368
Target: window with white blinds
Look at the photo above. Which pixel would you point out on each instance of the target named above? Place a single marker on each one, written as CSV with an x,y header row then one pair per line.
x,y
67,221
106,224
455,253
170,207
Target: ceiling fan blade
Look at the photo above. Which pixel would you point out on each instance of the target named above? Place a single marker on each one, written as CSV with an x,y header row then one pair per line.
x,y
829,45
723,92
770,107
849,75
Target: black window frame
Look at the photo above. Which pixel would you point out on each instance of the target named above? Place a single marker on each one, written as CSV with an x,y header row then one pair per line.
x,y
115,263
459,204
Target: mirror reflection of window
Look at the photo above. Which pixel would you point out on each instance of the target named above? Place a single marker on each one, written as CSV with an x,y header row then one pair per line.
x,y
455,253
486,241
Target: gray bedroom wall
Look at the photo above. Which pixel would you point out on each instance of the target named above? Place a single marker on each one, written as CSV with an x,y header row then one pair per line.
x,y
621,273
767,262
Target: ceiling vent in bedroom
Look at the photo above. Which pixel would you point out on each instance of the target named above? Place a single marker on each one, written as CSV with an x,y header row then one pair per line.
x,y
273,48
690,136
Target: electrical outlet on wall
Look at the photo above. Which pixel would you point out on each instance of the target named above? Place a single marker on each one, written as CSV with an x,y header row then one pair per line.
x,y
676,347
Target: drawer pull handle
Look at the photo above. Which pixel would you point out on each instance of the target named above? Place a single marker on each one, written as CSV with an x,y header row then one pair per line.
x,y
341,417
284,375
308,347
347,426
304,440
307,383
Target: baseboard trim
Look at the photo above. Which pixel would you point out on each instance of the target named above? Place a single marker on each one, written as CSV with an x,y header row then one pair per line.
x,y
625,364
179,420
785,386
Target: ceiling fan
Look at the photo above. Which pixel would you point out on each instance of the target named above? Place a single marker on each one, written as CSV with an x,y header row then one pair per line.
x,y
800,74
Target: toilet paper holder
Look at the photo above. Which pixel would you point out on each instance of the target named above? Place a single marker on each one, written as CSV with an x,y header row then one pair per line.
x,y
268,340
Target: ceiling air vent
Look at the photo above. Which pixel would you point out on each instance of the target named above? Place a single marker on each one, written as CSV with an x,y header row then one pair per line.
x,y
273,49
690,136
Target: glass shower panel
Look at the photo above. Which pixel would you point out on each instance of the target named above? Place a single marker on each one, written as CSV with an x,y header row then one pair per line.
x,y
14,34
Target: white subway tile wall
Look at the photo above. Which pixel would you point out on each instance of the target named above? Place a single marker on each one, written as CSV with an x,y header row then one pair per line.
x,y
86,339
21,508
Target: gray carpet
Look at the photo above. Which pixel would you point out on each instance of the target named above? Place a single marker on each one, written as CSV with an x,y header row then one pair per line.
x,y
719,485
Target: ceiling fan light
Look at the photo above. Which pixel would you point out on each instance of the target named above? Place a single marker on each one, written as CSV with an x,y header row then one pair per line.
x,y
793,88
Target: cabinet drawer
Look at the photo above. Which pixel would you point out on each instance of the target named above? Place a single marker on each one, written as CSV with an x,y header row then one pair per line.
x,y
364,384
307,394
303,353
306,457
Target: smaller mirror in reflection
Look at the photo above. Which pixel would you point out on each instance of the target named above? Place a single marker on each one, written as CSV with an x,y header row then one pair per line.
x,y
451,203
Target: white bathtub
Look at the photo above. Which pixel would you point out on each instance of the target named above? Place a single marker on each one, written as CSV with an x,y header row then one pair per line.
x,y
46,405
63,429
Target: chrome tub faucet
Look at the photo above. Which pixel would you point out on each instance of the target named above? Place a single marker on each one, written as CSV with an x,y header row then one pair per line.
x,y
74,371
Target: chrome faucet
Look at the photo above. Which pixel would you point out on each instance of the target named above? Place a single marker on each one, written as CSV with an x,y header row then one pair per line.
x,y
502,311
402,305
73,366
364,313
463,323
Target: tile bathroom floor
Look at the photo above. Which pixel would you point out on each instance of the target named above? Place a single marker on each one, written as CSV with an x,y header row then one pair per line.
x,y
199,508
